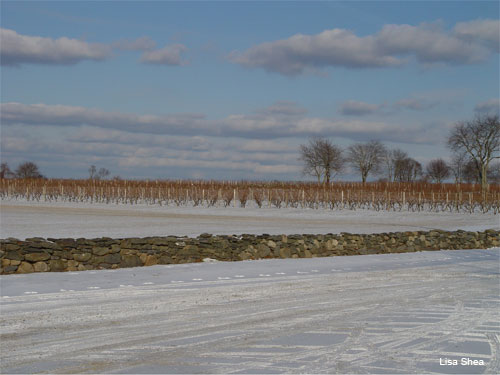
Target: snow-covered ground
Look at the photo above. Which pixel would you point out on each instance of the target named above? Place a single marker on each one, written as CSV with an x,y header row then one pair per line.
x,y
397,313
21,219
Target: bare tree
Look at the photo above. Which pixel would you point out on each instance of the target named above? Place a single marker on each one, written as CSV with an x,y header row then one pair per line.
x,y
390,160
102,173
92,172
366,157
457,166
95,174
321,159
407,170
437,170
470,174
28,170
480,140
494,173
5,171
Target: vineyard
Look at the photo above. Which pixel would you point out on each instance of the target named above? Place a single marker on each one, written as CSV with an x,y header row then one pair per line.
x,y
413,197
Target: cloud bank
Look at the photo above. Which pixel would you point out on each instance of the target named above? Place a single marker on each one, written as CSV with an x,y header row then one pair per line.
x,y
17,49
279,120
394,45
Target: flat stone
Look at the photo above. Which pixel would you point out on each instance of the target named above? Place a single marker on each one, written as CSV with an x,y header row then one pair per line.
x,y
40,267
25,267
37,257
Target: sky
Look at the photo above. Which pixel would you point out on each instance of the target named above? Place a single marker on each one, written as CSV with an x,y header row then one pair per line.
x,y
230,90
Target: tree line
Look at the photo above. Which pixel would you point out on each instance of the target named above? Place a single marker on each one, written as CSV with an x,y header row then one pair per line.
x,y
475,144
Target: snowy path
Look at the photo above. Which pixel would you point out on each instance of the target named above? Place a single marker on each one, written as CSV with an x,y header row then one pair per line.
x,y
21,219
375,314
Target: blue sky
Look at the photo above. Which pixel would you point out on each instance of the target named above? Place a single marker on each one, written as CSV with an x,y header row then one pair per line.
x,y
231,89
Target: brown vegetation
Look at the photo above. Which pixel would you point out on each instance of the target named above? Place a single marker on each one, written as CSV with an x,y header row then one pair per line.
x,y
393,196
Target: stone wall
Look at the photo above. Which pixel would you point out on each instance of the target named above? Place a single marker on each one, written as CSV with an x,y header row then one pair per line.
x,y
67,254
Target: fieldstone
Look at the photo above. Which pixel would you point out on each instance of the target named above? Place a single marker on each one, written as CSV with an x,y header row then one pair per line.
x,y
15,262
11,247
10,269
82,257
130,261
271,244
25,267
151,260
5,262
13,255
100,251
263,251
57,265
37,257
40,267
245,255
285,252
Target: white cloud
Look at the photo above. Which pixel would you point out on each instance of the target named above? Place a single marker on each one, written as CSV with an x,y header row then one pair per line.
x,y
169,55
17,49
392,46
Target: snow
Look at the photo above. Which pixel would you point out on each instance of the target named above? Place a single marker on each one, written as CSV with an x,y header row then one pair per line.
x,y
392,313
21,219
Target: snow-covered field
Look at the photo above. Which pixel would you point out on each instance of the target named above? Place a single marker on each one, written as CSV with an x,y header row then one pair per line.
x,y
397,313
21,219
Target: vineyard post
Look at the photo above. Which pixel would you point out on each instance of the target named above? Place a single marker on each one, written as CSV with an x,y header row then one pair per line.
x,y
234,197
268,198
404,198
342,198
303,198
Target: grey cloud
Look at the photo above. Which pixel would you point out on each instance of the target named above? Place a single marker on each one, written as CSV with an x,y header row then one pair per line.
x,y
416,104
429,44
17,49
355,108
283,107
169,55
489,106
486,31
253,126
60,115
390,47
144,43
